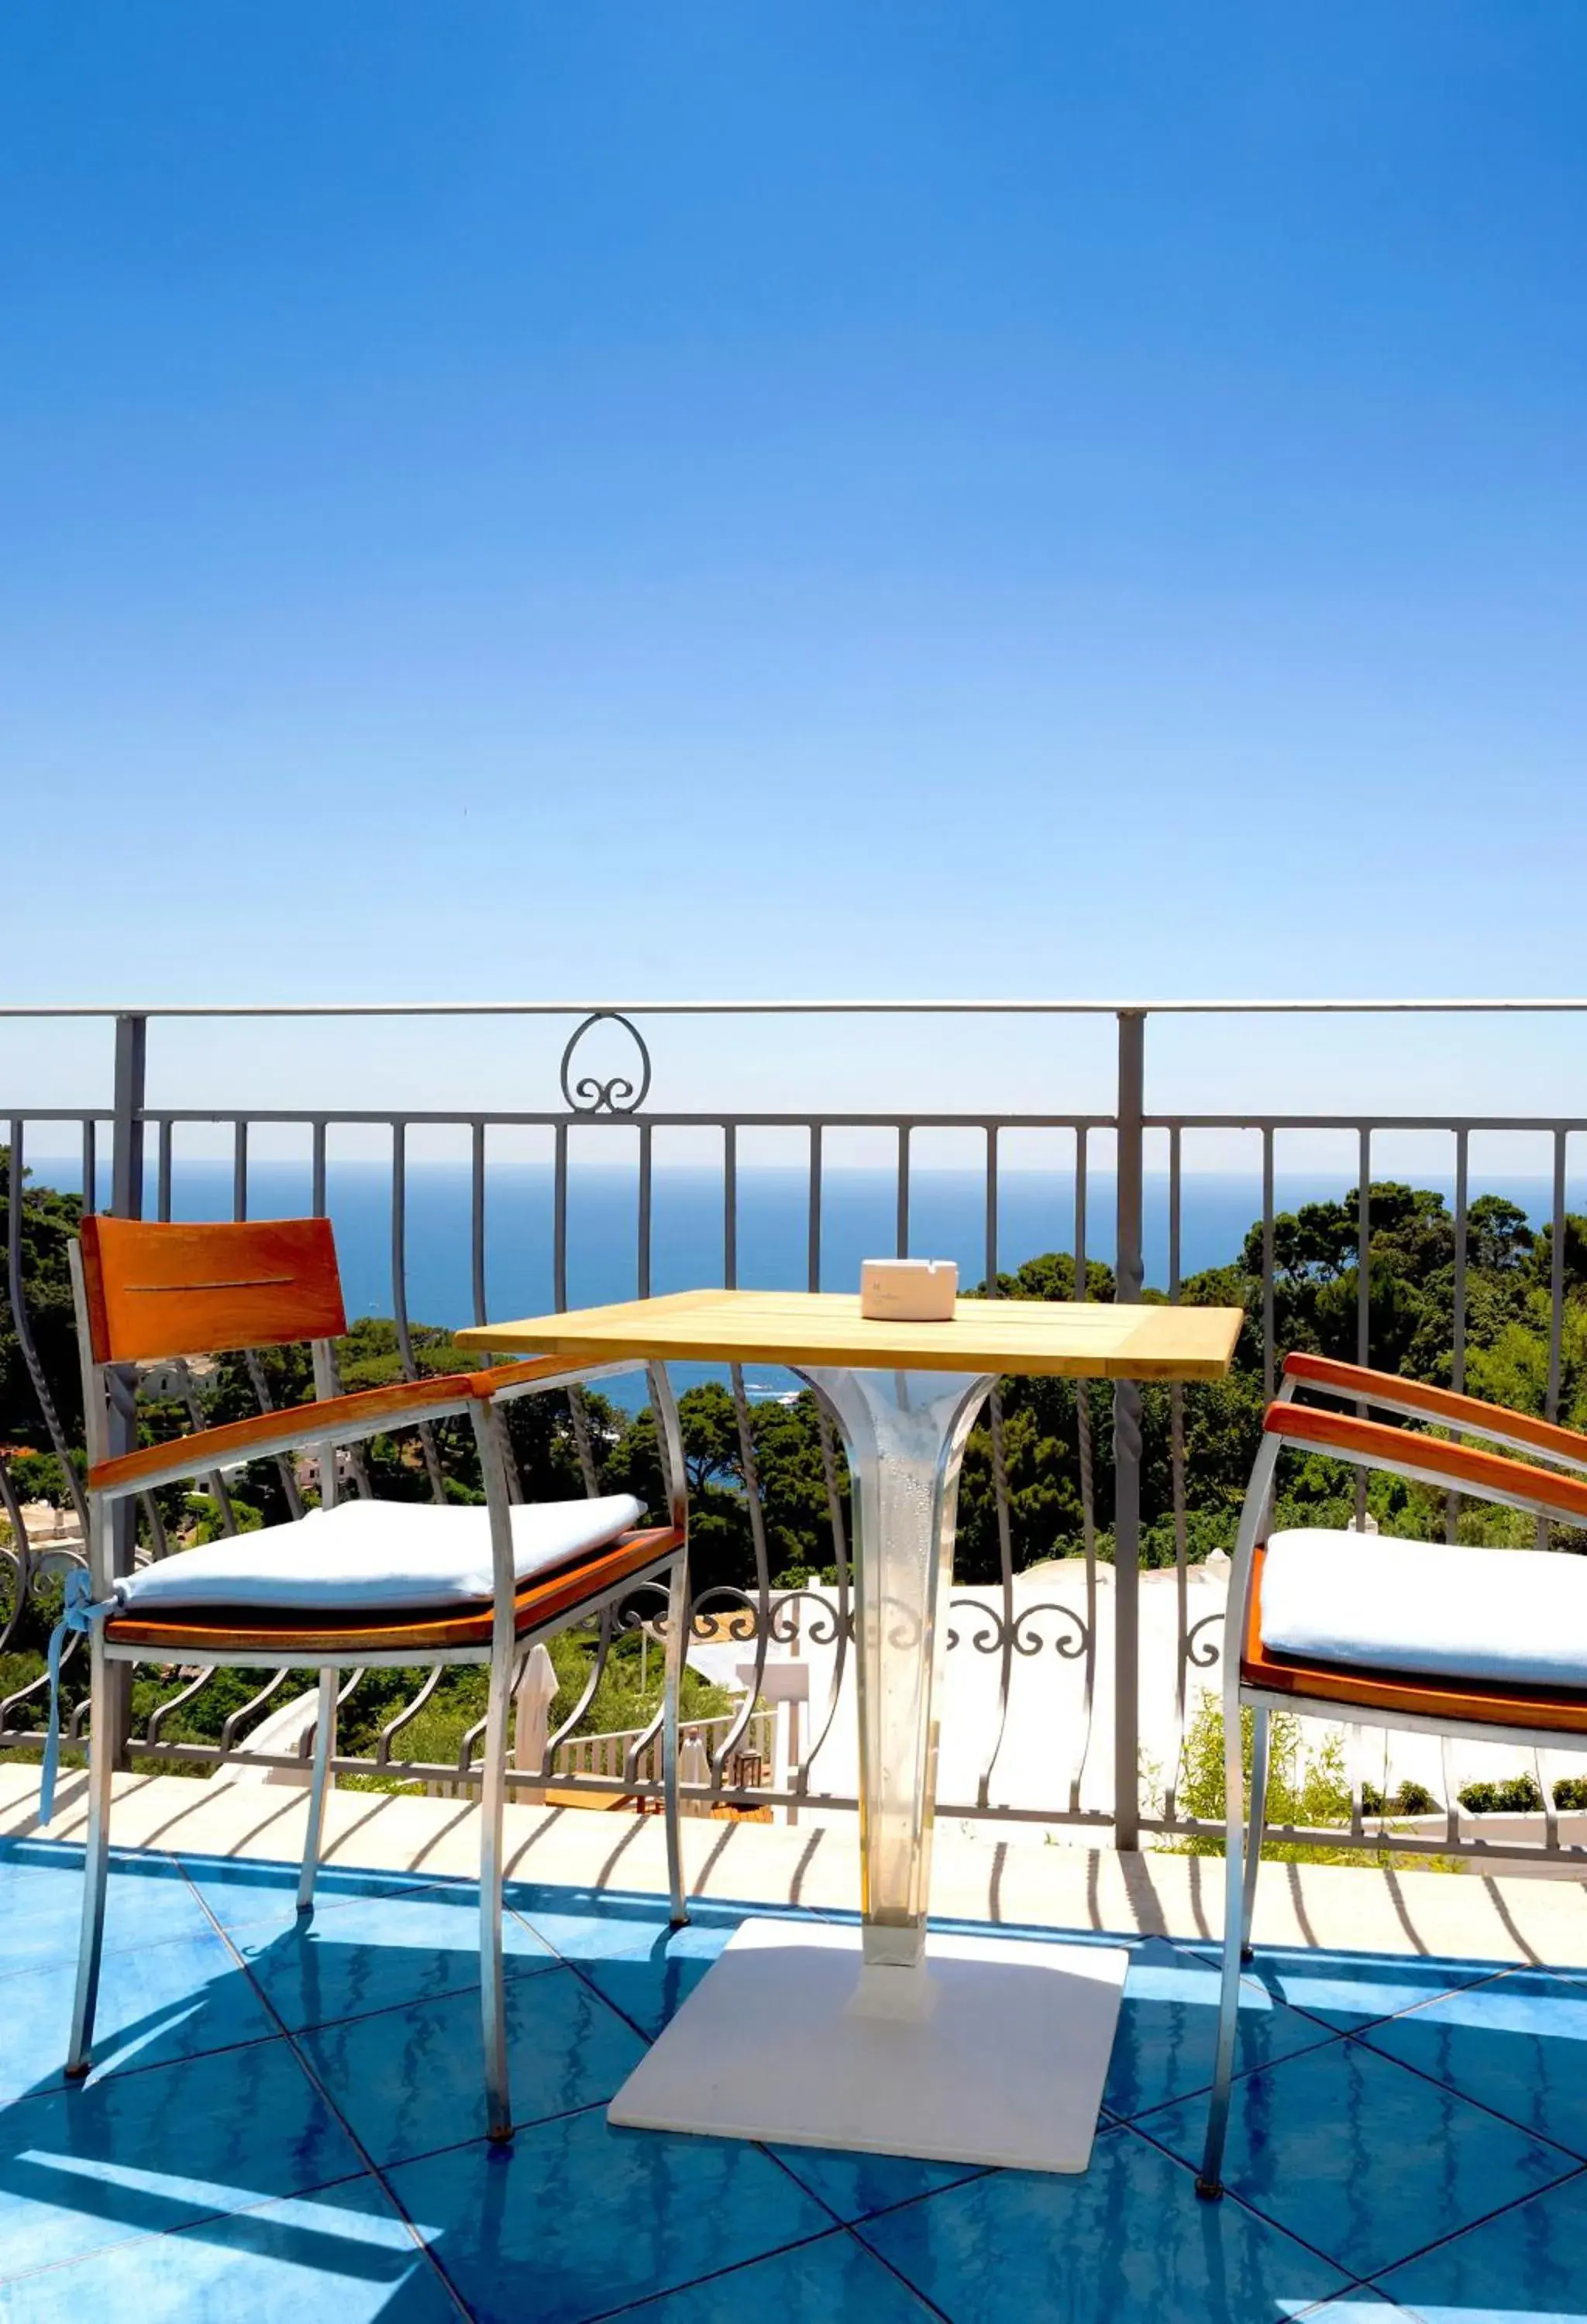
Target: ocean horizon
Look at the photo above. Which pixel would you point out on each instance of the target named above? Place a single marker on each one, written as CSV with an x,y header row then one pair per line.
x,y
947,1219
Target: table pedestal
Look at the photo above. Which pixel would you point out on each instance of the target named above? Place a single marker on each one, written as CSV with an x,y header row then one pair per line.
x,y
962,2049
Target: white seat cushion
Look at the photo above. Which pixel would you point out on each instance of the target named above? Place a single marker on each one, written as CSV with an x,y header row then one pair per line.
x,y
1494,1615
377,1555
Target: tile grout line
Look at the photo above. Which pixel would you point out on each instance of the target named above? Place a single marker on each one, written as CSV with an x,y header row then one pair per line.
x,y
1516,2203
930,2305
1362,2035
839,2225
1481,2105
1394,2017
852,2229
712,2275
1405,2259
650,2041
1231,2194
315,2083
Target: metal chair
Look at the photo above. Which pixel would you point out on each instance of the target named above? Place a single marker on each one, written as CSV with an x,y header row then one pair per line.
x,y
1488,1644
360,1584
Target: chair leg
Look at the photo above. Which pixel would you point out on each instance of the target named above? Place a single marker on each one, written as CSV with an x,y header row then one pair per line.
x,y
1210,2181
96,1865
325,1744
677,1643
492,1967
1256,1816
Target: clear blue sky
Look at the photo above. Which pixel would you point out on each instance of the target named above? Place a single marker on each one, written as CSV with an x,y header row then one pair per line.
x,y
676,498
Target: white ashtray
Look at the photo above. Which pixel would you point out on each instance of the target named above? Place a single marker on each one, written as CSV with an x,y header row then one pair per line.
x,y
909,1290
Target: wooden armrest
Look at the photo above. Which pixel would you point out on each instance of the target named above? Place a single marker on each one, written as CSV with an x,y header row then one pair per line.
x,y
338,1419
1430,1459
1566,1447
503,1381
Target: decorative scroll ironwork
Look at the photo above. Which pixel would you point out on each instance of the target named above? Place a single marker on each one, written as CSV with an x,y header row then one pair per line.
x,y
1204,1655
618,1095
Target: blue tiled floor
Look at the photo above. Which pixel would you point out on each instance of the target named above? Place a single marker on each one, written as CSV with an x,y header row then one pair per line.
x,y
286,2119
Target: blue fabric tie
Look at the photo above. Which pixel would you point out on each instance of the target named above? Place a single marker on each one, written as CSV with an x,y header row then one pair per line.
x,y
79,1610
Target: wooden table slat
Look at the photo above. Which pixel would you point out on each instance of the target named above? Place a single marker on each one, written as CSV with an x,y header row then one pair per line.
x,y
805,1329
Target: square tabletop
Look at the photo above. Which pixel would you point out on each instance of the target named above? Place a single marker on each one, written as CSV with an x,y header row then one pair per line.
x,y
825,1329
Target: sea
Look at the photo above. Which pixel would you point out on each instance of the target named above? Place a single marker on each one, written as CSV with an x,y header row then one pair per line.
x,y
947,1219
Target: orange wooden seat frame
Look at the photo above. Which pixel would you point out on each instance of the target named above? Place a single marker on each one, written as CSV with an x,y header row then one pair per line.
x,y
542,1602
1260,1681
156,1291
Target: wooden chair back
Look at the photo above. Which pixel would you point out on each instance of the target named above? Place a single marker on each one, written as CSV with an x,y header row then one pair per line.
x,y
176,1289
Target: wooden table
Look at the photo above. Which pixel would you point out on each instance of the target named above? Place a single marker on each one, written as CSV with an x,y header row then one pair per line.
x,y
976,2048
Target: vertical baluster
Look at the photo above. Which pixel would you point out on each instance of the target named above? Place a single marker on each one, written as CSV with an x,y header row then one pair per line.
x,y
1000,1487
432,1466
813,1213
746,1450
642,1260
1269,1326
357,1465
162,1174
1363,1303
840,1646
902,1237
126,1200
559,1219
251,1363
1083,1443
1177,1466
575,1411
477,1219
730,1205
1451,1502
1129,1272
1556,1301
22,1323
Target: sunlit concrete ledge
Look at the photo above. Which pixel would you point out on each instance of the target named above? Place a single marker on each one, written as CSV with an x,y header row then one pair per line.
x,y
1017,1882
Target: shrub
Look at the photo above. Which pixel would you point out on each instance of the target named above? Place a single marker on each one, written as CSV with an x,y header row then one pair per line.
x,y
1520,1796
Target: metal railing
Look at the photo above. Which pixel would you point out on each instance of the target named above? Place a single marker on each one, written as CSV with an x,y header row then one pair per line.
x,y
1089,1633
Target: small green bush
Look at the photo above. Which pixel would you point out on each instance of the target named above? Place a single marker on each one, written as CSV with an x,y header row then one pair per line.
x,y
1520,1796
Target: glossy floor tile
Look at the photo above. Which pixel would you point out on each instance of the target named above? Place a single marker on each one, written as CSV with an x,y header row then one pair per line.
x,y
238,1891
633,1955
1349,1991
344,2255
574,2218
1413,2121
148,1901
1362,2159
1169,2029
142,2152
1530,2263
855,2186
410,2080
1126,2242
835,2276
371,1953
1518,2044
164,2001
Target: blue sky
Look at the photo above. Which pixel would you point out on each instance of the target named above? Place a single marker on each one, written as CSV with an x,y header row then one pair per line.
x,y
905,499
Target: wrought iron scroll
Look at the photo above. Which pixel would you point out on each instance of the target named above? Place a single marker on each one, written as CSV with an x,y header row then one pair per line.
x,y
617,1094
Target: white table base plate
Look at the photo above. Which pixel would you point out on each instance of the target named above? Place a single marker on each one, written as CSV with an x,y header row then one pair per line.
x,y
995,2051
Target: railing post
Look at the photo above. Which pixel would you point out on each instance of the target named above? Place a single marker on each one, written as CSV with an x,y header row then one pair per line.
x,y
1129,1268
127,1202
